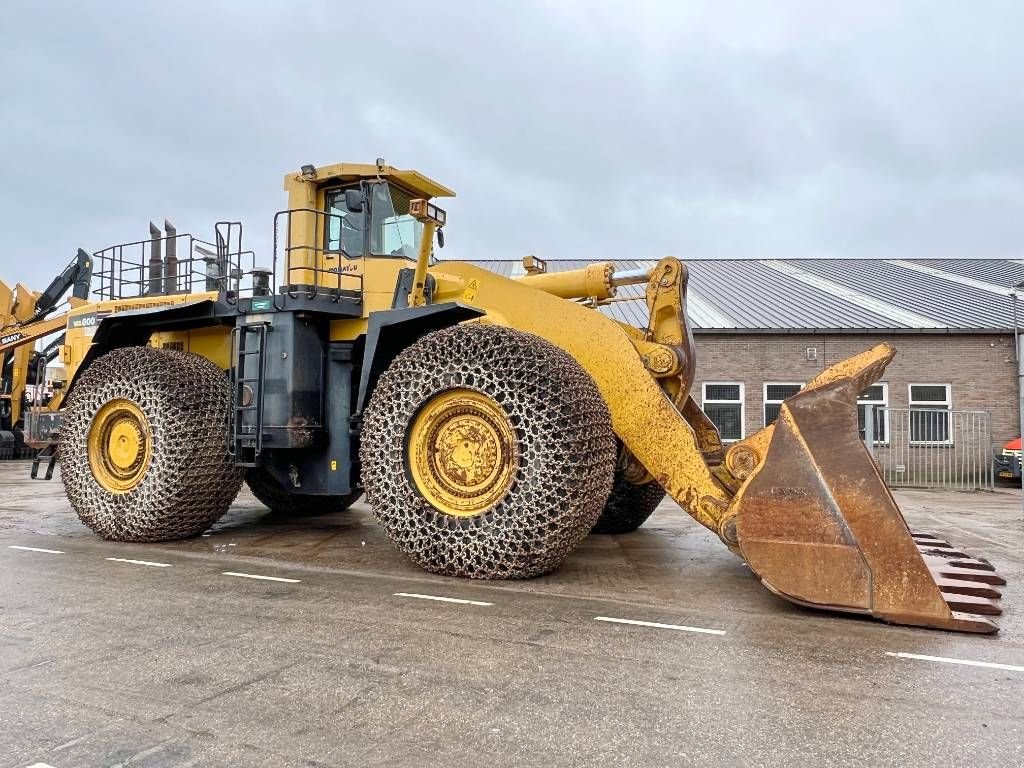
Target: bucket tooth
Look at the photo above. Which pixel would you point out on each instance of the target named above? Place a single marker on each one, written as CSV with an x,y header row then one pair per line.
x,y
965,570
975,563
971,604
941,552
960,574
968,623
931,542
965,587
949,559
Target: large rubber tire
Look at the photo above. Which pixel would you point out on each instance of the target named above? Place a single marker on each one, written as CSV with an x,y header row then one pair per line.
x,y
628,506
281,501
565,451
190,480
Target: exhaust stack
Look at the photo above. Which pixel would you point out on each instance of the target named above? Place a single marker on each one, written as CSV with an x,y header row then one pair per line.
x,y
155,261
171,261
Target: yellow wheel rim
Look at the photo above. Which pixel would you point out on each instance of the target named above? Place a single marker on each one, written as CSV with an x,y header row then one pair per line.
x,y
120,445
462,452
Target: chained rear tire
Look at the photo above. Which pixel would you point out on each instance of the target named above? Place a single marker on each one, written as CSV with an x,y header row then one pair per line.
x,y
542,461
144,445
628,505
281,501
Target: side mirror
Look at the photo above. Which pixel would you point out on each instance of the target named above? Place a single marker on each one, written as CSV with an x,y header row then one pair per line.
x,y
355,200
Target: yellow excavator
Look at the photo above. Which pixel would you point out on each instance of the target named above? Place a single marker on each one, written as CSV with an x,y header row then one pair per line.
x,y
491,422
26,318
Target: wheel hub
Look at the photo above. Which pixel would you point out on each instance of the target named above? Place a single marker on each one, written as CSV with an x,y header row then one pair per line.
x,y
462,452
120,445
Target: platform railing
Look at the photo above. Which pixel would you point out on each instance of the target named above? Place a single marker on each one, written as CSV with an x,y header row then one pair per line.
x,y
176,264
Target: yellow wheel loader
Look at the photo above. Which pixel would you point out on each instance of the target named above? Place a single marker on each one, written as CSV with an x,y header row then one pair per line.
x,y
492,422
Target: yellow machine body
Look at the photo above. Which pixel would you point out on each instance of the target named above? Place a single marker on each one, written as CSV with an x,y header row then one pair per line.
x,y
213,343
800,501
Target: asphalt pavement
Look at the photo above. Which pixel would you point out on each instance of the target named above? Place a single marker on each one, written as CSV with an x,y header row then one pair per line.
x,y
313,642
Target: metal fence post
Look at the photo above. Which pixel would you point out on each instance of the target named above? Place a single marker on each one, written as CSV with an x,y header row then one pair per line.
x,y
869,429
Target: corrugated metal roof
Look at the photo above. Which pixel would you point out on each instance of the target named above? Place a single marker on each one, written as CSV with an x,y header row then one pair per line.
x,y
932,295
998,271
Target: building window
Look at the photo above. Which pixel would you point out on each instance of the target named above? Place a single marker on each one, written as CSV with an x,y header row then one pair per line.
x,y
774,394
723,404
929,414
877,395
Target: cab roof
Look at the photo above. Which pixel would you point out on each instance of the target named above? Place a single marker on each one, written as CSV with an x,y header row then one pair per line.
x,y
412,181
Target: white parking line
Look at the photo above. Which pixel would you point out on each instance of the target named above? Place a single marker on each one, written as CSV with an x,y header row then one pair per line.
x,y
658,625
263,578
965,662
40,765
37,549
440,599
138,562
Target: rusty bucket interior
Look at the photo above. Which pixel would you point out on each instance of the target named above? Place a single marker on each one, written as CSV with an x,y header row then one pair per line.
x,y
817,524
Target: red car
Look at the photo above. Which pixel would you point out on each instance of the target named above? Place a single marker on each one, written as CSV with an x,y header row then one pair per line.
x,y
1007,462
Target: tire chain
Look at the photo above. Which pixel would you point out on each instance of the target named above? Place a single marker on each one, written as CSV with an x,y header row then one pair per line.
x,y
566,453
190,481
628,505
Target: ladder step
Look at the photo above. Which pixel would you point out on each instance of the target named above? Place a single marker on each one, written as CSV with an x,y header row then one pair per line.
x,y
247,420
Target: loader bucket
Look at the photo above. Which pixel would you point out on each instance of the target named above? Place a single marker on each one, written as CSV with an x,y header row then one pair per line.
x,y
817,524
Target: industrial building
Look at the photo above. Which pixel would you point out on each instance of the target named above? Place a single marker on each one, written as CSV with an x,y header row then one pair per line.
x,y
764,327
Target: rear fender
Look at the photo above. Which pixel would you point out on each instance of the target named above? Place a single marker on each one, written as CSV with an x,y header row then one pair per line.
x,y
133,328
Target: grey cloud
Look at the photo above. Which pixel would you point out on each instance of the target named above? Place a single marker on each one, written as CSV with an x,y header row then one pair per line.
x,y
569,129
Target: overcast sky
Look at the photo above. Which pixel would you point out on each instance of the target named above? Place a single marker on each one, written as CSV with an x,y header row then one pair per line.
x,y
569,129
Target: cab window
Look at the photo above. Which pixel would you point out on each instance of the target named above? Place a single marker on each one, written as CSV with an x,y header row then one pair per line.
x,y
393,232
346,229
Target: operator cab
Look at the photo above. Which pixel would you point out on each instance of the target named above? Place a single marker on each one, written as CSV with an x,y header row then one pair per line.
x,y
340,216
371,218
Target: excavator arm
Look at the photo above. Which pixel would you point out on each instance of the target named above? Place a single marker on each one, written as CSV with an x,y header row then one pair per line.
x,y
75,277
801,502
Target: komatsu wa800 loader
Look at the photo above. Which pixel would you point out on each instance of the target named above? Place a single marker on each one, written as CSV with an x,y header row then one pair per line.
x,y
492,422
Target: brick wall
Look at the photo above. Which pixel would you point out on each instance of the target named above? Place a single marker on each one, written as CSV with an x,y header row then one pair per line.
x,y
980,368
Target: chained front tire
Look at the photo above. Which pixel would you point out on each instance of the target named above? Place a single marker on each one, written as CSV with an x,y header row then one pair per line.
x,y
628,505
143,445
281,501
486,453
